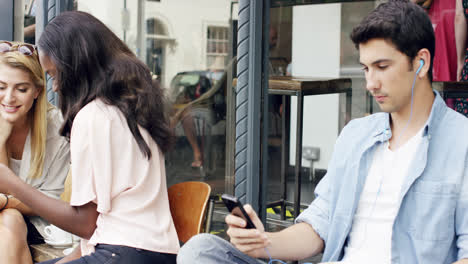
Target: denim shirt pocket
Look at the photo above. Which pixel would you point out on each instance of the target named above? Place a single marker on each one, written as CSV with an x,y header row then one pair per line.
x,y
431,210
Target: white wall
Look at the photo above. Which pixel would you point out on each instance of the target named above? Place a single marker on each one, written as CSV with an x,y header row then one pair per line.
x,y
108,11
316,53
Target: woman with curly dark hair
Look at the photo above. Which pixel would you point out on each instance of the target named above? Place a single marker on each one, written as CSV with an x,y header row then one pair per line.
x,y
118,130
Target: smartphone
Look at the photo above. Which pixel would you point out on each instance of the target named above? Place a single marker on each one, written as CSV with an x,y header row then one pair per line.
x,y
236,208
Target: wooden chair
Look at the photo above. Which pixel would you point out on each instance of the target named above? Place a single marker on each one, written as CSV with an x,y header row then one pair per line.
x,y
188,202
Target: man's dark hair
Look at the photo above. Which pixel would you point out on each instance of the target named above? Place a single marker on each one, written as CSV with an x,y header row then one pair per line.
x,y
93,63
404,24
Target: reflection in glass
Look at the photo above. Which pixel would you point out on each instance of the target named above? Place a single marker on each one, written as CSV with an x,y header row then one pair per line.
x,y
156,42
302,45
217,47
187,50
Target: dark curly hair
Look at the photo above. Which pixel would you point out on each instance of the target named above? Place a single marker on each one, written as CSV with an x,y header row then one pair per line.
x,y
405,24
93,63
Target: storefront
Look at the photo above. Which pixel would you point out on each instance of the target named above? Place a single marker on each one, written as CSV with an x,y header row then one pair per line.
x,y
260,90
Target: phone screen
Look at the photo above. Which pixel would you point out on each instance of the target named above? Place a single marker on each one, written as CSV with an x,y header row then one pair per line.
x,y
237,212
236,208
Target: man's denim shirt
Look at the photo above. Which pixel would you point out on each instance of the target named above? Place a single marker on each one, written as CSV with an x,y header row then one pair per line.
x,y
432,222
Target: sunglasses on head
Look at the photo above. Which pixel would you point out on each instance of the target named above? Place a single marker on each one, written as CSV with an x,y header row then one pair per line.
x,y
23,48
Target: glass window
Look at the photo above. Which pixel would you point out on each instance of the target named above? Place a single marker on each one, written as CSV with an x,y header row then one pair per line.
x,y
303,47
157,39
186,46
216,47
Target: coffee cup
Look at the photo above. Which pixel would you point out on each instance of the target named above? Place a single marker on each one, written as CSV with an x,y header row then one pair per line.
x,y
57,235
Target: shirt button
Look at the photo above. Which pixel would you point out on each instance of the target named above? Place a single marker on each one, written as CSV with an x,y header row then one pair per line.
x,y
429,136
113,254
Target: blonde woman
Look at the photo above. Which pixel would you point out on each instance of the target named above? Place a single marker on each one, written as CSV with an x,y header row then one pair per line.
x,y
30,146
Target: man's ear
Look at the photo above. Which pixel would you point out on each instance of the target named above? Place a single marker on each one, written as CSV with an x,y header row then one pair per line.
x,y
425,56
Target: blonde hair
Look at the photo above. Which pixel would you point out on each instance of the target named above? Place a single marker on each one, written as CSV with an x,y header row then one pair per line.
x,y
37,115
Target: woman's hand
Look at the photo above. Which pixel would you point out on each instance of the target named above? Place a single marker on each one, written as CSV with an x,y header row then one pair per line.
x,y
250,241
5,130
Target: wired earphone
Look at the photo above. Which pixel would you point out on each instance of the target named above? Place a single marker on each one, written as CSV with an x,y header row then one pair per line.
x,y
421,64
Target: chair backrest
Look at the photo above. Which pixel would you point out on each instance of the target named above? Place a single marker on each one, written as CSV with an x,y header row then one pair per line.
x,y
188,202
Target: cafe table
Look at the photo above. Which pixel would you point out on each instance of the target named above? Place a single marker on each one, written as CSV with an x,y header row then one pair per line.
x,y
300,87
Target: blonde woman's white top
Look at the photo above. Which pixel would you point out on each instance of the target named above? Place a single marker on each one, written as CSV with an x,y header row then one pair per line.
x,y
56,164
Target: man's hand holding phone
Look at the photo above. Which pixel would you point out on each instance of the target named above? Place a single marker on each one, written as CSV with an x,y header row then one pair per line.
x,y
251,241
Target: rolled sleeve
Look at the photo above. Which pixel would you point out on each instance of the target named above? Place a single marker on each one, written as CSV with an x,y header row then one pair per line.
x,y
317,214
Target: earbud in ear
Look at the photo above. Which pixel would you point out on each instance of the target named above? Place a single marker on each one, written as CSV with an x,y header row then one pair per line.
x,y
421,64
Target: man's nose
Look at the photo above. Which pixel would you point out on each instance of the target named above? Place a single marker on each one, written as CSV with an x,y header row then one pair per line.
x,y
372,82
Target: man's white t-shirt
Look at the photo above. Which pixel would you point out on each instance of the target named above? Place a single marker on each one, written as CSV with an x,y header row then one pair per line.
x,y
371,233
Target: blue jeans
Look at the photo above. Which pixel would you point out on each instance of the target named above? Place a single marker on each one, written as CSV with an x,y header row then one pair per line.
x,y
211,249
112,254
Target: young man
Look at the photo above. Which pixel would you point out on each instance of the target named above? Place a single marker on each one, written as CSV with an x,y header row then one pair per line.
x,y
396,190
